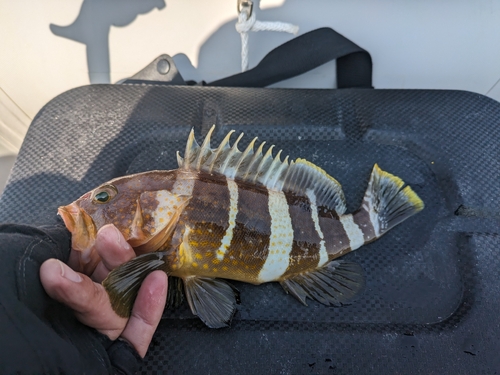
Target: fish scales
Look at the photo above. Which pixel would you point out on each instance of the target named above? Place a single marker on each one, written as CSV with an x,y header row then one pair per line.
x,y
253,239
305,252
334,232
251,235
247,216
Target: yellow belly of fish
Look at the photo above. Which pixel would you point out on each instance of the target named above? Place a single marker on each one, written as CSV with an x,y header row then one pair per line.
x,y
203,253
200,259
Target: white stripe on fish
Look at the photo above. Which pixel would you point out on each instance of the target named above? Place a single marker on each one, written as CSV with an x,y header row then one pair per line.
x,y
323,255
280,240
356,238
183,186
166,209
233,211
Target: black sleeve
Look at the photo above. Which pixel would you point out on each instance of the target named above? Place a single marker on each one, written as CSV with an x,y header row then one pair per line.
x,y
38,334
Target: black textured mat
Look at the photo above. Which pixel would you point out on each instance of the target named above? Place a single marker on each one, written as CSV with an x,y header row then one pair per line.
x,y
432,291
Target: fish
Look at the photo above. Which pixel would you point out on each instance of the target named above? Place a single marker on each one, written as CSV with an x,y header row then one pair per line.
x,y
248,216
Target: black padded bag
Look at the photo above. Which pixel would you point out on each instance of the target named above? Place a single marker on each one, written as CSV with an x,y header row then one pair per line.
x,y
432,292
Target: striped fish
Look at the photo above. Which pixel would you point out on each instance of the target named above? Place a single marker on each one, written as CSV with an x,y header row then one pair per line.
x,y
247,216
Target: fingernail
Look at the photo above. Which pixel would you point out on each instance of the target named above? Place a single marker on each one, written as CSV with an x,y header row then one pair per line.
x,y
69,274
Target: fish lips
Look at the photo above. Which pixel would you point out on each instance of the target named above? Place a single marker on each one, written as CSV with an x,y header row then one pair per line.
x,y
83,235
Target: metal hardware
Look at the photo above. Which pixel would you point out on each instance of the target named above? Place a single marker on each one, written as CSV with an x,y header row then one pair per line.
x,y
245,6
163,66
161,70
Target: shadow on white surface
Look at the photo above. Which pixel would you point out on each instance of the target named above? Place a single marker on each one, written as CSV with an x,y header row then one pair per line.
x,y
92,26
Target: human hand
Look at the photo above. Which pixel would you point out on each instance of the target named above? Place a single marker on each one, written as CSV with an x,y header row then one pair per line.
x,y
90,301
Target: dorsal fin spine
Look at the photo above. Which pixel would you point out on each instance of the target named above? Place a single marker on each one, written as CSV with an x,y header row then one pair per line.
x,y
225,142
205,148
277,166
254,159
180,160
270,168
247,153
230,155
212,160
189,142
264,164
297,177
190,145
275,182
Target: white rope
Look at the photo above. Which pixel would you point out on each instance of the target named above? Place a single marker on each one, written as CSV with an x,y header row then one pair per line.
x,y
245,25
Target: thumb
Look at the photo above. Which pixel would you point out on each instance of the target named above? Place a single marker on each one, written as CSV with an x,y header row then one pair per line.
x,y
88,300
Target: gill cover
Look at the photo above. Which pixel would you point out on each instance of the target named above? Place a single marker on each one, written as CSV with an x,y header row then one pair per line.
x,y
153,223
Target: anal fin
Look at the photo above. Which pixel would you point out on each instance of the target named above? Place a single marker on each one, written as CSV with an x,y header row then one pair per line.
x,y
335,284
212,300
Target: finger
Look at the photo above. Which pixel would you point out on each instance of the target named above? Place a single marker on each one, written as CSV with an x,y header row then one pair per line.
x,y
113,250
88,265
73,260
88,300
112,247
147,311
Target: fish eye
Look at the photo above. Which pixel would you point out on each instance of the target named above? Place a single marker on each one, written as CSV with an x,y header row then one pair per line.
x,y
102,197
104,194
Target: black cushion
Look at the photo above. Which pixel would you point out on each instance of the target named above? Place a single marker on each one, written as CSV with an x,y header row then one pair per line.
x,y
432,298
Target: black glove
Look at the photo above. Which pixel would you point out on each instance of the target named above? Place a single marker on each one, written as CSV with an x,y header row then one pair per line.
x,y
38,334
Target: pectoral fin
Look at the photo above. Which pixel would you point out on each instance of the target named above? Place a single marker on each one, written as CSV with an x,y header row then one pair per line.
x,y
123,283
335,284
212,300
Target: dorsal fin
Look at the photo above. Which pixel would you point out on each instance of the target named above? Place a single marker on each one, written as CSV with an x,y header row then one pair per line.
x,y
303,176
300,177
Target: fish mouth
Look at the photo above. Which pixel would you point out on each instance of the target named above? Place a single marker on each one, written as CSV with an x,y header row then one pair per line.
x,y
83,235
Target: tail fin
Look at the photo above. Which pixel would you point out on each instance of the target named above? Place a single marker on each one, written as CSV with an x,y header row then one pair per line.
x,y
123,283
387,202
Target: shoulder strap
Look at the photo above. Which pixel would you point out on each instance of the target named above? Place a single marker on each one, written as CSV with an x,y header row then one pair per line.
x,y
304,53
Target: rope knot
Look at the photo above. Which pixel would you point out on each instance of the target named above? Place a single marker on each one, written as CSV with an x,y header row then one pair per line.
x,y
246,24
